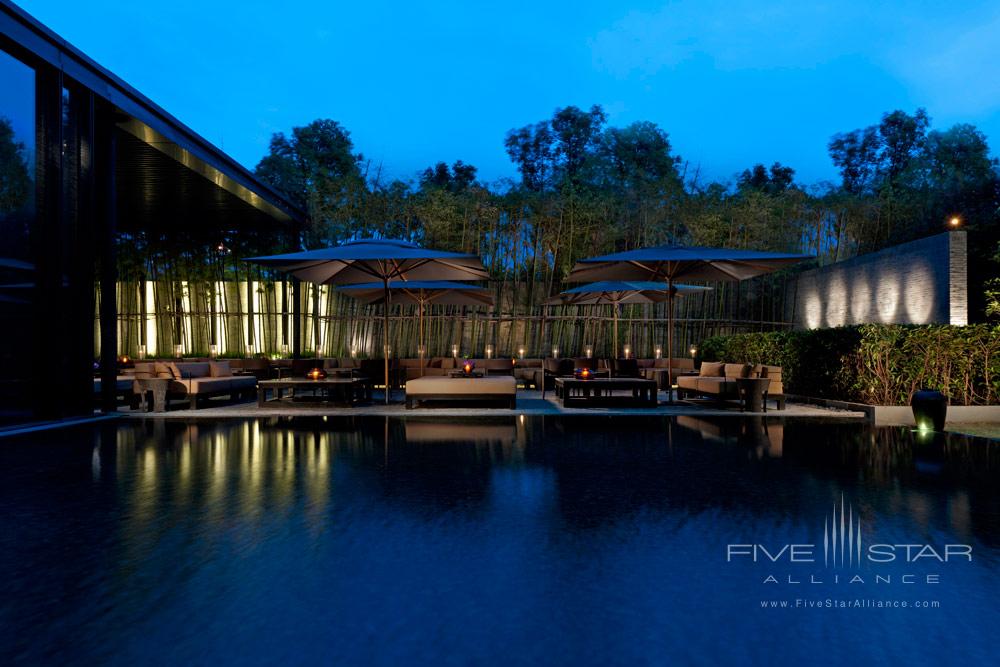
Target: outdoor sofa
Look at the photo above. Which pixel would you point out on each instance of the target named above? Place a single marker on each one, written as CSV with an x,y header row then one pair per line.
x,y
195,381
718,381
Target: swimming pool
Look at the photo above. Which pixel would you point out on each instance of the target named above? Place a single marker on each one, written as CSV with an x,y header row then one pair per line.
x,y
507,540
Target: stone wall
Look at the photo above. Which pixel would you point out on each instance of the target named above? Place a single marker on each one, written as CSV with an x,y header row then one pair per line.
x,y
920,282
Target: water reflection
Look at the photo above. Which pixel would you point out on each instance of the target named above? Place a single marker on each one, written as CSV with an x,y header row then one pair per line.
x,y
289,526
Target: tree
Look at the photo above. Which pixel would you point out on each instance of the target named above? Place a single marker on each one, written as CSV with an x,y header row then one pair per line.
x,y
317,169
15,177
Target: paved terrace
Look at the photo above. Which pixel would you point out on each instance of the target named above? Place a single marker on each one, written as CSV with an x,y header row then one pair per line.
x,y
529,402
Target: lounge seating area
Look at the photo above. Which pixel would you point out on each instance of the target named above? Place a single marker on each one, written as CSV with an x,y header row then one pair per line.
x,y
439,381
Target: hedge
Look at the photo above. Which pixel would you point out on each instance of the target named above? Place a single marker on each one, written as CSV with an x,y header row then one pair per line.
x,y
881,364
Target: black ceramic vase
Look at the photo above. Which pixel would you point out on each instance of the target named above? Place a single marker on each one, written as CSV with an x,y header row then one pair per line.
x,y
930,408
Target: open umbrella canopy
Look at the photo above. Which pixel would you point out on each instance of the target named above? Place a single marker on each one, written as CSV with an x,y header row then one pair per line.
x,y
673,262
614,292
422,292
670,263
384,260
375,259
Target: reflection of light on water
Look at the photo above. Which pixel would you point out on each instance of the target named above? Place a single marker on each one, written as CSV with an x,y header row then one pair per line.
x,y
920,301
95,463
887,299
836,301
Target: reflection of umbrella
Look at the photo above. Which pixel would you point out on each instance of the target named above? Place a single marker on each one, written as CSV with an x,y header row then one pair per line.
x,y
617,292
671,263
422,293
384,260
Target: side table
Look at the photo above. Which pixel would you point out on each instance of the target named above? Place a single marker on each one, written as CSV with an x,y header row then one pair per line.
x,y
152,392
753,393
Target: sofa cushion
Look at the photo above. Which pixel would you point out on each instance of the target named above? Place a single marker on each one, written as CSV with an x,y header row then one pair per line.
x,y
498,385
716,386
687,382
712,369
208,385
408,362
737,370
193,369
220,369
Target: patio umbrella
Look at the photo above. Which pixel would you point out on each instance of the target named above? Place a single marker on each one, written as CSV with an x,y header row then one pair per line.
x,y
422,293
384,260
668,264
617,292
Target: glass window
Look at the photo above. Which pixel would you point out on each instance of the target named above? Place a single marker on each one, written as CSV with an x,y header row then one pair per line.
x,y
17,215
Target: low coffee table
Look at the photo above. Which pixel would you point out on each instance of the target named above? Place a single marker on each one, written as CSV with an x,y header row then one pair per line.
x,y
344,390
753,393
599,392
459,373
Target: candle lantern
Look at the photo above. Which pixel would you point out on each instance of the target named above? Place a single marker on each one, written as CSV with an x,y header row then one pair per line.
x,y
316,374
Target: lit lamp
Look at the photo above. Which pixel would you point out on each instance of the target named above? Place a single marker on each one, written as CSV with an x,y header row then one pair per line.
x,y
588,351
954,221
178,350
388,350
627,350
213,351
454,350
659,353
555,353
142,351
489,351
421,351
520,353
583,373
467,367
284,349
693,351
123,360
316,374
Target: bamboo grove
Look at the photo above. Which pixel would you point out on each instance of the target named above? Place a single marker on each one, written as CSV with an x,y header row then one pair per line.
x,y
585,188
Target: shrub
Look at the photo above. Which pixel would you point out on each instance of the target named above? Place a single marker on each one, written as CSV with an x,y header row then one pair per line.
x,y
875,363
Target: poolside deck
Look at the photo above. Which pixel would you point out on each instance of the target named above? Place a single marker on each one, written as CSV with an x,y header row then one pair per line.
x,y
529,402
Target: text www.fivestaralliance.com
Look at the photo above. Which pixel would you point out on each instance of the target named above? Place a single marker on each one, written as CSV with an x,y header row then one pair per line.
x,y
849,603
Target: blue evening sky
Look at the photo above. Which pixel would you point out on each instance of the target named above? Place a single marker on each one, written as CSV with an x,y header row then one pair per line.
x,y
733,82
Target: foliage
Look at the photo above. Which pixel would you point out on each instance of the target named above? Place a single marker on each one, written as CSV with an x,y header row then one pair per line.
x,y
15,177
875,363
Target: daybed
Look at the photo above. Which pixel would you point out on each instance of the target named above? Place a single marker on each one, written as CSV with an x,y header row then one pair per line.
x,y
718,380
500,388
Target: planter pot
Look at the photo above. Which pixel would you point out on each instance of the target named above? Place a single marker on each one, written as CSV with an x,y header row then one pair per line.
x,y
930,408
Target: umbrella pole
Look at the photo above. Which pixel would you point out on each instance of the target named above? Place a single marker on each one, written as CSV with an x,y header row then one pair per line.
x,y
385,334
423,343
615,345
670,340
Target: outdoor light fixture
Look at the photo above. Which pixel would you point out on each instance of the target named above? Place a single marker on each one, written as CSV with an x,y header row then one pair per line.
x,y
583,373
284,349
930,409
142,351
955,221
388,350
693,351
123,360
316,374
555,353
454,350
588,351
213,351
249,350
659,353
489,351
467,366
520,353
421,350
627,350
354,352
178,350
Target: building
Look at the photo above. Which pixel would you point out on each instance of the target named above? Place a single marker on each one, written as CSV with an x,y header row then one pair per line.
x,y
87,163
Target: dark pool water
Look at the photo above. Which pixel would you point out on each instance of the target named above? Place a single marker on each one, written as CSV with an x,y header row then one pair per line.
x,y
513,540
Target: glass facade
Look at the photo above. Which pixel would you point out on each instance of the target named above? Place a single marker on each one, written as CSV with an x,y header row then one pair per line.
x,y
17,223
